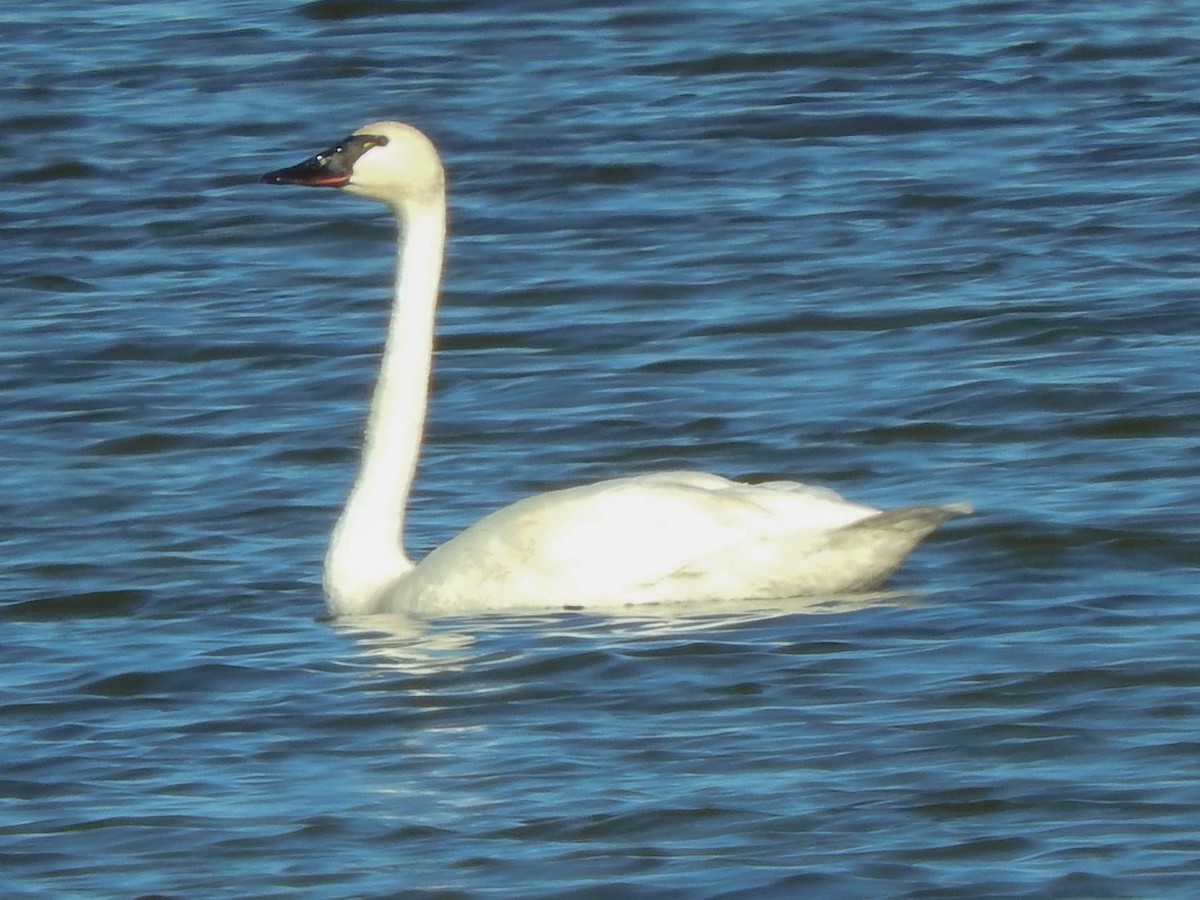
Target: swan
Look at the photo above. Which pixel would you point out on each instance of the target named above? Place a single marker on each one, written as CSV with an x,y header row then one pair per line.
x,y
667,537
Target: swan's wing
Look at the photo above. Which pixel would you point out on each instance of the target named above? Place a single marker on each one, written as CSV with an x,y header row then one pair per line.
x,y
663,537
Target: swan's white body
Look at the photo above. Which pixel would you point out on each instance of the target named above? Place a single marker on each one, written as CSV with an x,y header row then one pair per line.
x,y
661,538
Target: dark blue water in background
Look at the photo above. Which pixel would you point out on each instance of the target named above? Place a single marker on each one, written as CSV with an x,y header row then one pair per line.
x,y
914,251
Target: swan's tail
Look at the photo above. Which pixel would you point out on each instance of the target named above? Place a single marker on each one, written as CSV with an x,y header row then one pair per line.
x,y
875,547
917,521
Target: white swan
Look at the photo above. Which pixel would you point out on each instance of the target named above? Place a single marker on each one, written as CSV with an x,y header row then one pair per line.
x,y
675,536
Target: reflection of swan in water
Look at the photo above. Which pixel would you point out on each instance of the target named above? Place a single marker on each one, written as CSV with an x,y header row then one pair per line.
x,y
417,646
662,538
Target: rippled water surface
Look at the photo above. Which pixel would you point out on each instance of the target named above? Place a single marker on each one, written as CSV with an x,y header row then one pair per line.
x,y
914,251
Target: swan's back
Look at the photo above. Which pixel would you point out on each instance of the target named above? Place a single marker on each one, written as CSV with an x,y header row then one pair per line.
x,y
665,538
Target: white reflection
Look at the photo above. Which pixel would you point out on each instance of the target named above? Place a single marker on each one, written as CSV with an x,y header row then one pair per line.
x,y
424,646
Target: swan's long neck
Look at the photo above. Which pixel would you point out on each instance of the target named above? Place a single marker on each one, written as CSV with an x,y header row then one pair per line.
x,y
366,553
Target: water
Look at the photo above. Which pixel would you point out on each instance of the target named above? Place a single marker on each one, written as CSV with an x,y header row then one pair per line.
x,y
916,251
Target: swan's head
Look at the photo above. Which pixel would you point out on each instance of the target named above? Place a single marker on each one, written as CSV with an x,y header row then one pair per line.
x,y
387,161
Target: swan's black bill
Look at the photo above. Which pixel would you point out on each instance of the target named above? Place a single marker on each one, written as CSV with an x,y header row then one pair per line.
x,y
312,172
332,168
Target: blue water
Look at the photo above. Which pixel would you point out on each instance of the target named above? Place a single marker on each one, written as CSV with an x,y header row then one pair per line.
x,y
914,251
